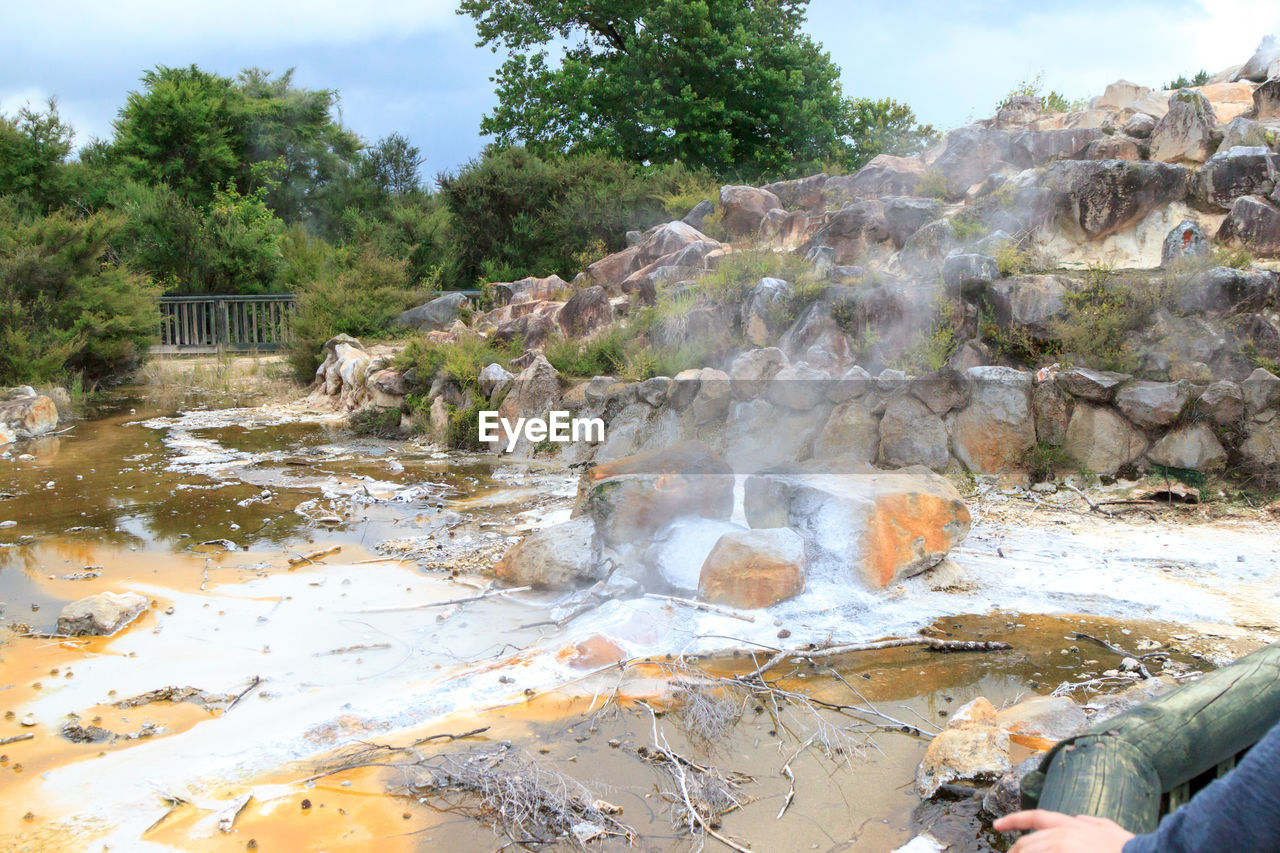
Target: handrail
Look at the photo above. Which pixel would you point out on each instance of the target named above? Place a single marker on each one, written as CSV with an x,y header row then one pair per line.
x,y
1121,767
213,322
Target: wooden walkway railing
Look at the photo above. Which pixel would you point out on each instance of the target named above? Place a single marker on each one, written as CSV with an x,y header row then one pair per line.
x,y
206,324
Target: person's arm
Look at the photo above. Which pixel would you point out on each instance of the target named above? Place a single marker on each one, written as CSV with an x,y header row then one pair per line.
x,y
1239,813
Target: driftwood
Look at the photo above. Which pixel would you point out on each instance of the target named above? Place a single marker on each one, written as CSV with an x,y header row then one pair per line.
x,y
314,555
702,605
931,643
16,739
243,693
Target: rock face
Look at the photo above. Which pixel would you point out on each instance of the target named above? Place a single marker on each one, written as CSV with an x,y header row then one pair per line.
x,y
1236,172
341,375
1100,197
762,310
586,311
633,497
800,193
972,748
1152,404
885,175
744,208
1029,302
1266,99
851,431
1223,402
968,275
754,568
1097,385
556,556
1185,133
1261,453
912,434
994,432
1101,440
436,315
1253,222
852,230
1194,447
905,216
858,524
494,379
100,615
29,416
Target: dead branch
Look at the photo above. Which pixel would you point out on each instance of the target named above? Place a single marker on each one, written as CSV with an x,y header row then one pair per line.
x,y
314,555
932,643
367,647
243,693
702,605
1092,506
16,739
451,737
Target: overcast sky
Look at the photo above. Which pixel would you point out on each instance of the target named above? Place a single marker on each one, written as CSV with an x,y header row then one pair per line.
x,y
411,65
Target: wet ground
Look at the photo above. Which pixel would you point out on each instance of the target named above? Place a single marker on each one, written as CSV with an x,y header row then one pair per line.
x,y
281,666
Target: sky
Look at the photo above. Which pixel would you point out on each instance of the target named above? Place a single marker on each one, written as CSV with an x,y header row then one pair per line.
x,y
411,66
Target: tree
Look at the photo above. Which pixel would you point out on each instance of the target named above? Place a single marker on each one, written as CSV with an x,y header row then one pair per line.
x,y
870,127
393,166
33,149
733,86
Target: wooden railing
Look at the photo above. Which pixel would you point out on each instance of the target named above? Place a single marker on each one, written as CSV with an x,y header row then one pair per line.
x,y
204,324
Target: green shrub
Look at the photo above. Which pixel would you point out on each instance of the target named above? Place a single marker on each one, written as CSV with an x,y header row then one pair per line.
x,y
1099,318
66,307
933,184
1237,258
602,355
360,300
1043,461
1182,81
463,431
375,422
460,361
933,349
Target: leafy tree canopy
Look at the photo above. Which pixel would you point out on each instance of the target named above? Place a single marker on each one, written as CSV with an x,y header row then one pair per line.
x,y
732,86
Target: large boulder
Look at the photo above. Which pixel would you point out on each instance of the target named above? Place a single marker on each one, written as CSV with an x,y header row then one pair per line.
x,y
1253,222
1101,197
852,431
925,250
1102,441
1222,402
1194,447
1099,386
967,274
969,156
743,208
1185,133
759,434
860,525
1261,391
340,378
1152,405
1113,148
101,615
972,748
851,231
1123,95
1266,99
1139,126
663,240
905,215
1052,408
884,175
678,551
750,372
763,311
1245,133
1260,453
1223,288
797,386
1236,172
800,193
30,415
1027,149
534,392
912,434
1030,302
556,556
534,289
609,271
633,497
586,311
1264,62
495,379
434,316
994,432
753,568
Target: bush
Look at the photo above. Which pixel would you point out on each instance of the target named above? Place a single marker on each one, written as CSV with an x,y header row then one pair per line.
x,y
360,300
463,432
66,307
375,422
460,361
1100,317
516,214
601,355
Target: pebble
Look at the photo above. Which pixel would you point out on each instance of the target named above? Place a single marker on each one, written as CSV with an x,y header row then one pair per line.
x,y
8,524
28,721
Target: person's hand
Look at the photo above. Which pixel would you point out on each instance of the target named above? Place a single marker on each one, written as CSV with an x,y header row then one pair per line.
x,y
1053,832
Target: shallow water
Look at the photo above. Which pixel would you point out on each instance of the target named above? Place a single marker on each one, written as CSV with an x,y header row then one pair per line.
x,y
356,647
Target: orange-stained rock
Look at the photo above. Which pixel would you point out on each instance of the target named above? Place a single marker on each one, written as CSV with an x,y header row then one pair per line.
x,y
29,415
594,652
970,749
753,568
858,523
994,432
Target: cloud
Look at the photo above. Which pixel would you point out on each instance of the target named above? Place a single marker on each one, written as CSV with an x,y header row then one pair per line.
x,y
103,26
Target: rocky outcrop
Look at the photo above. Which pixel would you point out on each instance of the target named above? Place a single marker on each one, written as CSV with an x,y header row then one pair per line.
x,y
860,525
1253,222
912,434
885,175
586,311
340,378
1101,197
753,568
1101,440
995,431
556,556
852,231
1236,172
436,315
631,498
1186,241
101,615
1031,303
1193,447
1152,405
744,208
1185,133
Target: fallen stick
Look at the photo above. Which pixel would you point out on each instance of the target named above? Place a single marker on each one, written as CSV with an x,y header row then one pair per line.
x,y
701,605
314,555
16,738
1093,506
487,594
451,737
932,643
257,679
370,647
